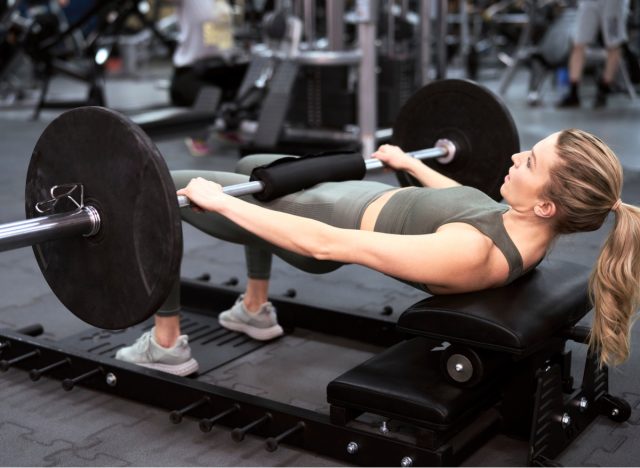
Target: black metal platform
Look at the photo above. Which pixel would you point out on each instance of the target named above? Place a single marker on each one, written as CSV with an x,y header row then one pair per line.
x,y
554,415
211,345
210,405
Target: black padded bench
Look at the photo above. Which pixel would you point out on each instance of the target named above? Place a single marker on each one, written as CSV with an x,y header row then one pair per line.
x,y
505,363
171,121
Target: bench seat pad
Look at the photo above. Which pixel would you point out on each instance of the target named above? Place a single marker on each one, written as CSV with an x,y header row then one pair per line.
x,y
172,117
517,318
405,382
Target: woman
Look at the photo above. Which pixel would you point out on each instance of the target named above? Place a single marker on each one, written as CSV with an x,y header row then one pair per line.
x,y
568,182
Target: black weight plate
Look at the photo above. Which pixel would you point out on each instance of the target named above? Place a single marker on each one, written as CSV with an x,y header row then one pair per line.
x,y
470,115
120,276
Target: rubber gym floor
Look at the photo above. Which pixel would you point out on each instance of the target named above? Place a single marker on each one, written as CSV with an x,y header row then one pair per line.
x,y
41,425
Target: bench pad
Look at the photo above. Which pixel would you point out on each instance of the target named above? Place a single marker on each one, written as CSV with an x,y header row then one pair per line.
x,y
405,382
516,318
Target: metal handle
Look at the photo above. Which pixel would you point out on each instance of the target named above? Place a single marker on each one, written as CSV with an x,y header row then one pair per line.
x,y
236,190
444,151
85,221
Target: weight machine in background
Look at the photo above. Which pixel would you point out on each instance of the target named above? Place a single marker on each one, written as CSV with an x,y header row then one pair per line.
x,y
79,49
346,83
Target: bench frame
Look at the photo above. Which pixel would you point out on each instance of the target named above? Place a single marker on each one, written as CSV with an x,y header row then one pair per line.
x,y
319,432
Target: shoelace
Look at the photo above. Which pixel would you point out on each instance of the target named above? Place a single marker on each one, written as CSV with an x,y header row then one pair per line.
x,y
142,344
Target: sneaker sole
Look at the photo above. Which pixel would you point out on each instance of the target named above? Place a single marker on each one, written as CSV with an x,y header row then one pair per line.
x,y
260,334
182,370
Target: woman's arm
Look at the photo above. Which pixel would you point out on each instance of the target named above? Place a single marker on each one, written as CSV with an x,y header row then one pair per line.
x,y
455,260
398,160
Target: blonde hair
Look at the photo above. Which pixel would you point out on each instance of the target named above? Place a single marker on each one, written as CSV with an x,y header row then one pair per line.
x,y
585,186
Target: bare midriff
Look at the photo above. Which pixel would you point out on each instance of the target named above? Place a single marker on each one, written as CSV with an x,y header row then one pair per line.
x,y
372,212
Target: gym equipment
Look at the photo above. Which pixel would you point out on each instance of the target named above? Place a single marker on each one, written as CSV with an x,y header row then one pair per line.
x,y
44,41
124,225
446,124
513,370
465,366
272,126
416,415
171,121
88,160
471,117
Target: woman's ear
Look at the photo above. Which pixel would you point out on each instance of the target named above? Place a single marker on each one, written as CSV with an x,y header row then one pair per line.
x,y
545,209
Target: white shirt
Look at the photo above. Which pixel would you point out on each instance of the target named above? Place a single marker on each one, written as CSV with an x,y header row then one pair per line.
x,y
206,30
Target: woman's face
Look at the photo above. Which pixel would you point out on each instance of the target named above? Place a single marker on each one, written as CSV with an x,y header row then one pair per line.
x,y
529,174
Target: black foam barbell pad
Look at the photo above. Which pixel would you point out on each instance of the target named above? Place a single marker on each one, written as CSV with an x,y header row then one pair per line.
x,y
291,174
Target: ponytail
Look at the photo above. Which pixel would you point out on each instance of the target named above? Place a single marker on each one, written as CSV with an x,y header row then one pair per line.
x,y
615,288
586,185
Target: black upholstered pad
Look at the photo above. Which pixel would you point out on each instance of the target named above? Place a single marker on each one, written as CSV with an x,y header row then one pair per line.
x,y
404,382
157,120
515,318
172,120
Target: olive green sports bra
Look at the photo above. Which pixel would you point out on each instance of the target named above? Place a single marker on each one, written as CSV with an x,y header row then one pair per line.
x,y
421,210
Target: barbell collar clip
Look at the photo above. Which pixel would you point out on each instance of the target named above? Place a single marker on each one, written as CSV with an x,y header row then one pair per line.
x,y
61,192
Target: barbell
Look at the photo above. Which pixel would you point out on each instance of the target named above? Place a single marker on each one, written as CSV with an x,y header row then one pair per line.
x,y
101,205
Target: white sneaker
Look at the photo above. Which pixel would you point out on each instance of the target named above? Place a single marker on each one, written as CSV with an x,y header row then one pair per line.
x,y
262,325
147,352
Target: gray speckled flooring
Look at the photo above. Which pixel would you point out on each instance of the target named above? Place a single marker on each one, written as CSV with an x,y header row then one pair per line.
x,y
41,425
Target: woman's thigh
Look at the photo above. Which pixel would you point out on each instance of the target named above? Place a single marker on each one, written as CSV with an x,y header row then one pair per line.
x,y
222,228
215,224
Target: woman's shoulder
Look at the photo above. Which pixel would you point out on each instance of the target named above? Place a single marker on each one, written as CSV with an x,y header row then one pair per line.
x,y
467,236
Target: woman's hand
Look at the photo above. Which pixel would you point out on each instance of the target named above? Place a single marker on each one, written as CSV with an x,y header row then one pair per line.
x,y
204,195
393,157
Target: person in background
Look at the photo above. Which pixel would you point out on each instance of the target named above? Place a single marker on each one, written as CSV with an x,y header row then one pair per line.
x,y
610,18
205,55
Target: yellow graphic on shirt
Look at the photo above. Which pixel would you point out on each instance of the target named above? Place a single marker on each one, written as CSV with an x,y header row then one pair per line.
x,y
217,34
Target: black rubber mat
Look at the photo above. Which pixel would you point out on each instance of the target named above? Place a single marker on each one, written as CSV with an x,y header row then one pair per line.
x,y
212,345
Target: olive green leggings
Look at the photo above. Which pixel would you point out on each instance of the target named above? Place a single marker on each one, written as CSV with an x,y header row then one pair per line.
x,y
339,204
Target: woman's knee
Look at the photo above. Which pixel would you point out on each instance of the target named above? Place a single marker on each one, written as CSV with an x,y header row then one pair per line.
x,y
249,163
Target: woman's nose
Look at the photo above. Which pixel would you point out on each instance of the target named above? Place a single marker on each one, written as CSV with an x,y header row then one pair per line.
x,y
515,158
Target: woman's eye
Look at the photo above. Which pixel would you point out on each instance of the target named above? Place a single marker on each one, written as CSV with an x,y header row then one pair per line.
x,y
529,162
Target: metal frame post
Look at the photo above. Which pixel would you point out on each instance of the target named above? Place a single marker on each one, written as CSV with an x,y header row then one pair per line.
x,y
441,65
309,19
424,46
367,81
335,24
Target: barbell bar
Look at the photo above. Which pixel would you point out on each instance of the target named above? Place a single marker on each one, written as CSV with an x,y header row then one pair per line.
x,y
85,220
443,151
113,265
